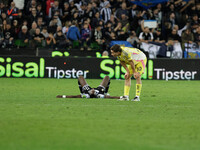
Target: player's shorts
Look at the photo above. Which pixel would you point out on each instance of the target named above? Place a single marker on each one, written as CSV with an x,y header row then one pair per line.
x,y
140,67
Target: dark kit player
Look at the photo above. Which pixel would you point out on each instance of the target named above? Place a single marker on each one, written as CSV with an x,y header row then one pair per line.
x,y
88,92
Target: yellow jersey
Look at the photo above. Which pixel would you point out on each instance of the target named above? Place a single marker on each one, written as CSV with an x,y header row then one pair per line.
x,y
131,54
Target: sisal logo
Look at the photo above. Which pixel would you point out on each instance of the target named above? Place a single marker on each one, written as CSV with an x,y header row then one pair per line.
x,y
20,69
113,69
37,69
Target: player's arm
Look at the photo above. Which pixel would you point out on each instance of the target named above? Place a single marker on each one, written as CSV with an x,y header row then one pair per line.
x,y
132,65
127,74
68,96
111,97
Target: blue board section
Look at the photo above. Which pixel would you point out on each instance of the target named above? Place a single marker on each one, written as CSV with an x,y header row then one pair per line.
x,y
125,43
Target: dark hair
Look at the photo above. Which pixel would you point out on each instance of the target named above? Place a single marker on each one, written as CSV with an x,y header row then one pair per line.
x,y
116,48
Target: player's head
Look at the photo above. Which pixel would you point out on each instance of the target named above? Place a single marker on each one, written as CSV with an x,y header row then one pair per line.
x,y
115,50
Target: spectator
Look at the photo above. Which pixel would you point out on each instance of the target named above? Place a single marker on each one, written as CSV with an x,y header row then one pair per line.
x,y
133,11
157,16
61,41
2,7
66,13
110,37
3,18
54,23
118,28
50,41
95,9
24,35
158,37
122,36
133,39
89,12
174,36
135,22
172,19
49,4
187,37
25,23
195,23
21,18
30,5
1,39
12,11
146,36
45,32
108,29
106,11
85,37
122,10
38,39
72,7
66,27
76,18
105,54
33,28
113,20
55,8
33,16
98,37
8,36
95,20
40,12
197,35
73,33
16,28
125,23
40,23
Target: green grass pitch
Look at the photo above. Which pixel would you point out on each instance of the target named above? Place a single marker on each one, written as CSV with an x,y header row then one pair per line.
x,y
31,118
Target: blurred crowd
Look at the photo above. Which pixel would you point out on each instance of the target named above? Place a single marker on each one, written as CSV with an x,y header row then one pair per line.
x,y
90,24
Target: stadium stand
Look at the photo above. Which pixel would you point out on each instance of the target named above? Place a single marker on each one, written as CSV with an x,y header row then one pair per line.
x,y
28,26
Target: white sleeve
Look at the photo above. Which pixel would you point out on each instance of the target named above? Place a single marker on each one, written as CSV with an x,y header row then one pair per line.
x,y
140,36
151,36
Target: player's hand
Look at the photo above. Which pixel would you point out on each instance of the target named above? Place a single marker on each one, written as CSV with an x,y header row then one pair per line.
x,y
136,75
127,75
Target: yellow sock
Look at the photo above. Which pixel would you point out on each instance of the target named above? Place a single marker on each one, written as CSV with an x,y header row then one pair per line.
x,y
138,89
126,90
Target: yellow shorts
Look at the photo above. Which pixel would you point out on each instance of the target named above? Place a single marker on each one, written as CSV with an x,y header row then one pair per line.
x,y
140,67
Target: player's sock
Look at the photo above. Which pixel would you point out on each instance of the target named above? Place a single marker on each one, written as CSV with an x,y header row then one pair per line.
x,y
138,89
80,87
126,90
106,91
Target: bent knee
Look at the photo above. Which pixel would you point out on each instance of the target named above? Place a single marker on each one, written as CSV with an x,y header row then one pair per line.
x,y
107,77
80,77
138,77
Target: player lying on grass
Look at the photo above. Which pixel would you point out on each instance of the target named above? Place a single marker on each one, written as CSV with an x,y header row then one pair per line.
x,y
88,92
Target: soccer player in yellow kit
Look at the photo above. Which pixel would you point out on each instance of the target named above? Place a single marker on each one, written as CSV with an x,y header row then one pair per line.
x,y
136,61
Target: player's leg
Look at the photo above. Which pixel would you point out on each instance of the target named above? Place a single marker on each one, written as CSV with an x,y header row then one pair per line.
x,y
127,86
106,83
81,82
84,87
140,67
